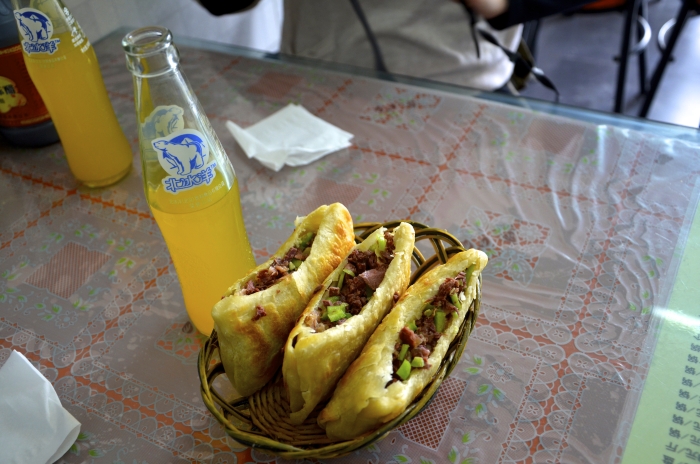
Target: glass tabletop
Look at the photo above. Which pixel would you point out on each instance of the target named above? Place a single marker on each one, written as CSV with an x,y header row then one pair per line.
x,y
587,219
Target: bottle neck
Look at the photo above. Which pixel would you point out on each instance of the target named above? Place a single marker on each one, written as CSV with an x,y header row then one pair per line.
x,y
150,52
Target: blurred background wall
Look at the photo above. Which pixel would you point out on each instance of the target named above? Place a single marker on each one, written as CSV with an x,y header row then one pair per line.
x,y
257,28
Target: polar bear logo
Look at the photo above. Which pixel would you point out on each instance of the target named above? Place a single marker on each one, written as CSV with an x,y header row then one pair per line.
x,y
182,153
34,25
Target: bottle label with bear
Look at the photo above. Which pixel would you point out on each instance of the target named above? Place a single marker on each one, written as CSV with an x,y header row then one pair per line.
x,y
182,152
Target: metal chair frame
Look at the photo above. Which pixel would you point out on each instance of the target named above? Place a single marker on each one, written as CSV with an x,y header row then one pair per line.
x,y
676,27
636,10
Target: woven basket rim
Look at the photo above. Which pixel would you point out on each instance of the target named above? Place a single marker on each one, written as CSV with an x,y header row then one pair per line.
x,y
209,370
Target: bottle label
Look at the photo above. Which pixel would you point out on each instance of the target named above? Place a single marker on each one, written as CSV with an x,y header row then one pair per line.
x,y
36,30
184,154
20,102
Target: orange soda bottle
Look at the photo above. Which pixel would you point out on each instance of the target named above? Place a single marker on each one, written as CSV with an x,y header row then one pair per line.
x,y
64,68
190,184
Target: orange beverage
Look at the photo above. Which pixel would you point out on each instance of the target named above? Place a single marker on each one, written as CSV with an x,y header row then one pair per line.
x,y
189,182
64,68
207,241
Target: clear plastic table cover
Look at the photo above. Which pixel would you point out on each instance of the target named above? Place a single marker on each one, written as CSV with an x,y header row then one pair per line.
x,y
584,225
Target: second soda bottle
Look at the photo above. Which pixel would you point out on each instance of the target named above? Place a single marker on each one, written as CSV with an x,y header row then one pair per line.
x,y
190,184
64,68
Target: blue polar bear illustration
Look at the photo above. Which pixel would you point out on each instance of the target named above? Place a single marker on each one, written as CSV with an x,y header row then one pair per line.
x,y
168,121
163,121
34,27
183,153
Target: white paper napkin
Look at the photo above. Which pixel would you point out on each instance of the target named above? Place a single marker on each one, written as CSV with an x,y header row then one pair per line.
x,y
34,427
291,136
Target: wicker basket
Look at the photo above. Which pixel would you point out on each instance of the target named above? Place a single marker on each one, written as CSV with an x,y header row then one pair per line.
x,y
262,420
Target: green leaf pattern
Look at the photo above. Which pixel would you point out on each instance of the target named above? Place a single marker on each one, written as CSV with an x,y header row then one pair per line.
x,y
88,444
488,395
373,448
50,240
8,292
654,267
497,394
453,455
87,232
459,454
125,263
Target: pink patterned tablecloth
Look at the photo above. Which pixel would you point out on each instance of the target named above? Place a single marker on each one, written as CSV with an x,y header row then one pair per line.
x,y
584,225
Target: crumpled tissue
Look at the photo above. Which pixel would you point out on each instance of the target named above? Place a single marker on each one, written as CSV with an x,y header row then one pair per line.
x,y
34,426
291,136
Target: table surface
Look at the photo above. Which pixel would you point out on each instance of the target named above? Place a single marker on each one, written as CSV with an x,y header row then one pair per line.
x,y
584,216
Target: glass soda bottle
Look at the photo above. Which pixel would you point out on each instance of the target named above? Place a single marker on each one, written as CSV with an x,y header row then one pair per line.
x,y
64,68
190,184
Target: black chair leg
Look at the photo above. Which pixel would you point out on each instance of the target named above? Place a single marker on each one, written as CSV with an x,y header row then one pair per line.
x,y
644,13
661,66
630,16
530,31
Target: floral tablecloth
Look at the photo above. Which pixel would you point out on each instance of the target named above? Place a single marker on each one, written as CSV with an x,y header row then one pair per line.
x,y
583,224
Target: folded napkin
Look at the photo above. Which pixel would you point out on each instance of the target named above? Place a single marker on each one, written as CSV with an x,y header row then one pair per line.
x,y
291,136
34,427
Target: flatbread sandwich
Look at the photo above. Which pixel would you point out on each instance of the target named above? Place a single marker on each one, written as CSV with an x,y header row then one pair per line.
x,y
404,353
255,316
339,319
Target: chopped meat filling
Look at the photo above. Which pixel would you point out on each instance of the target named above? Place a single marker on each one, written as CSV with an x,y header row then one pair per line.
x,y
448,287
280,267
373,277
313,320
259,312
422,338
362,274
409,337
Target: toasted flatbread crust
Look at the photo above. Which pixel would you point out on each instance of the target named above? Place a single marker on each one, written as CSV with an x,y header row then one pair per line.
x,y
251,350
313,362
361,403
